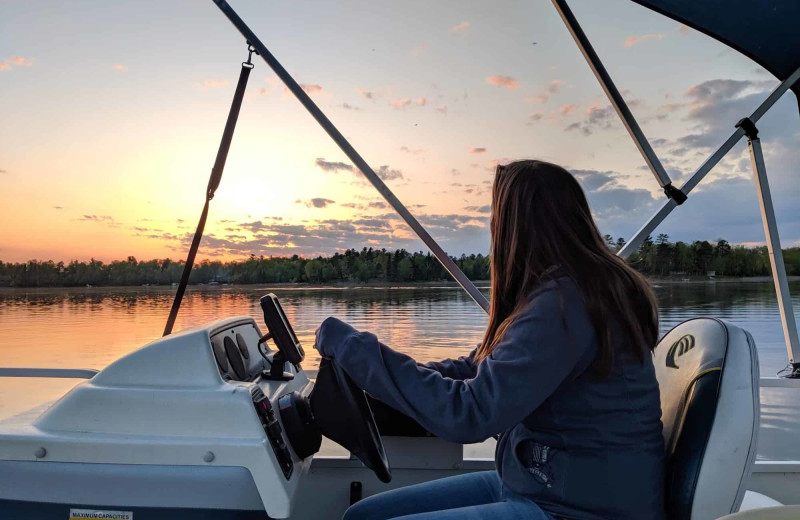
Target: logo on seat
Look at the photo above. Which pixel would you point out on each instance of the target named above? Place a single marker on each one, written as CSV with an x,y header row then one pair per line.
x,y
679,348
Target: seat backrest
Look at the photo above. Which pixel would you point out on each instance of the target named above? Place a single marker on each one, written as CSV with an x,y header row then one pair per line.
x,y
707,373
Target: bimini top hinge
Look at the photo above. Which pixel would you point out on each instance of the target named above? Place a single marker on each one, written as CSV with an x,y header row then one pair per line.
x,y
749,128
675,194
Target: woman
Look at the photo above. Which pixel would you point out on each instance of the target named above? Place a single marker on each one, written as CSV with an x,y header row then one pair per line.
x,y
563,378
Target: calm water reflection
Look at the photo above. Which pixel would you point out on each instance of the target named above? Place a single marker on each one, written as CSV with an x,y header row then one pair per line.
x,y
91,327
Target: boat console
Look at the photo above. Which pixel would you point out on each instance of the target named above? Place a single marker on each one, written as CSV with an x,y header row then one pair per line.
x,y
207,418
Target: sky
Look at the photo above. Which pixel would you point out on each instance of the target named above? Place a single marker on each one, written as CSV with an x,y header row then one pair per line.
x,y
112,112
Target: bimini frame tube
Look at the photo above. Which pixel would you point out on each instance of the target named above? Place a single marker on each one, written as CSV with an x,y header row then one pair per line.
x,y
618,102
773,243
353,155
662,213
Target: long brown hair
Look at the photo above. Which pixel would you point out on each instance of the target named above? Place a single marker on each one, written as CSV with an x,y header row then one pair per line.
x,y
541,223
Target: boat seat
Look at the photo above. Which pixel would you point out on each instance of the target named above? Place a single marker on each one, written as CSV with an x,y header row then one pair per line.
x,y
707,374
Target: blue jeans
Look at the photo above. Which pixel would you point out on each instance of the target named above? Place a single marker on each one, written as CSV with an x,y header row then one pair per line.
x,y
472,496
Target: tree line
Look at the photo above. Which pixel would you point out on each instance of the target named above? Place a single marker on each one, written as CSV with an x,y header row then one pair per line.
x,y
656,258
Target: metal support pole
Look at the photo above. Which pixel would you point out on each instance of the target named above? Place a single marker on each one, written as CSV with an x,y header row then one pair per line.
x,y
618,102
353,155
666,208
773,243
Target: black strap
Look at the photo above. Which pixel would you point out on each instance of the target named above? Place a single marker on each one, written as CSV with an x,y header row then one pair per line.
x,y
213,184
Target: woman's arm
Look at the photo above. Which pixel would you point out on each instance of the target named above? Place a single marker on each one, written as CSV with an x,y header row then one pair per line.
x,y
461,368
539,351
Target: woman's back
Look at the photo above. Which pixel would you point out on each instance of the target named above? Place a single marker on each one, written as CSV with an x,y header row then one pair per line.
x,y
594,449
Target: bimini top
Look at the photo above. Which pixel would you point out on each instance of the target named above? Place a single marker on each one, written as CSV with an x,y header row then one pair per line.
x,y
767,31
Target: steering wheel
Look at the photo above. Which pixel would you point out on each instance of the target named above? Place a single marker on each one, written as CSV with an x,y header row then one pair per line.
x,y
343,414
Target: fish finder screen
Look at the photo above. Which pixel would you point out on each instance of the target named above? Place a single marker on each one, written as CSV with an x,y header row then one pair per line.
x,y
281,330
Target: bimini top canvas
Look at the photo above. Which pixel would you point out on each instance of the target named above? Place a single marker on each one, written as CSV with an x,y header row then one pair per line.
x,y
766,31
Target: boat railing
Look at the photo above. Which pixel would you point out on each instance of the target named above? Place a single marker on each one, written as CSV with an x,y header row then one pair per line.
x,y
64,373
88,373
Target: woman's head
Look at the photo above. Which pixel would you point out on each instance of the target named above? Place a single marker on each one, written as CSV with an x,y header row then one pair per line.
x,y
541,219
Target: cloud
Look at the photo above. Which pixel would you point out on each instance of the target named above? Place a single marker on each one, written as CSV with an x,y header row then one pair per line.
x,y
100,219
503,81
312,89
480,209
316,202
120,67
388,174
477,150
442,109
535,117
400,103
567,109
330,166
3,171
593,179
19,61
58,207
384,172
630,41
716,90
412,151
369,94
595,118
348,106
460,28
422,101
215,83
552,88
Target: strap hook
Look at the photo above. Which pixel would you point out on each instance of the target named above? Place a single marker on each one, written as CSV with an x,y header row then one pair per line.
x,y
250,51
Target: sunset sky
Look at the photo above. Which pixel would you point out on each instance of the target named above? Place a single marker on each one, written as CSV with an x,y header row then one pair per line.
x,y
112,114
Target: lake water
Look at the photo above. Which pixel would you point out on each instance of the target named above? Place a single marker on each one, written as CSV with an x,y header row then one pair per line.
x,y
91,327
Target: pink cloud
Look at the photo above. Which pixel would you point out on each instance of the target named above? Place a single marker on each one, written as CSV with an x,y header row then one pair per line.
x,y
400,103
422,101
503,81
463,26
4,66
120,67
311,89
566,110
630,41
19,61
477,150
538,99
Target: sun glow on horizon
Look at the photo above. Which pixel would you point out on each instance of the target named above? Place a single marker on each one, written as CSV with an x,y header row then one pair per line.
x,y
108,156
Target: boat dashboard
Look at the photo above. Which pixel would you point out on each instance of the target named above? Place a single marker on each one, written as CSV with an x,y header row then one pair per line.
x,y
215,404
206,396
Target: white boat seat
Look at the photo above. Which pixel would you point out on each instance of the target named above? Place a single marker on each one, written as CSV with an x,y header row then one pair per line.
x,y
707,373
755,500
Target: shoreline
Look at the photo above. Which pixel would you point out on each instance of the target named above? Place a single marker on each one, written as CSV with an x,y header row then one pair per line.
x,y
444,284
